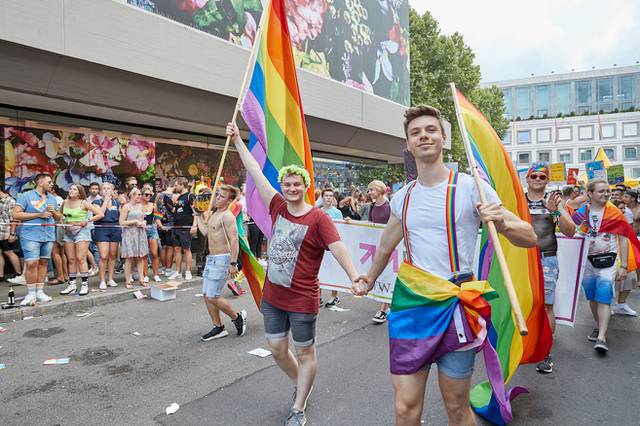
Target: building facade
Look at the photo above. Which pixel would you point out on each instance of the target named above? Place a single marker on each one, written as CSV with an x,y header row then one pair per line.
x,y
567,117
96,90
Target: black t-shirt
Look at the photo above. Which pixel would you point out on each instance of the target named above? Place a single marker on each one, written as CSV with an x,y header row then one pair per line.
x,y
183,214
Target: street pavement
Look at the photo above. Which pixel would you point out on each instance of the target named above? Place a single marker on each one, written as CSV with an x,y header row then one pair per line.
x,y
116,377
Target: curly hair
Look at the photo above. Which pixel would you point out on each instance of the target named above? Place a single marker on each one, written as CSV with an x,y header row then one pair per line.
x,y
294,170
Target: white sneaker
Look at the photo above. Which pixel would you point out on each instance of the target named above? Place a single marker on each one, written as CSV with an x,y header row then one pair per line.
x,y
624,309
103,285
112,283
84,290
145,280
19,280
175,276
156,278
93,272
188,276
71,288
168,272
29,300
43,297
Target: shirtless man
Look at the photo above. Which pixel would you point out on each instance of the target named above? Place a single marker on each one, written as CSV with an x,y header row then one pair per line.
x,y
222,234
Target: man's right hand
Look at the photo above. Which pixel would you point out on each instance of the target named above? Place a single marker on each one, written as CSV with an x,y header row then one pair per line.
x,y
232,131
45,215
361,285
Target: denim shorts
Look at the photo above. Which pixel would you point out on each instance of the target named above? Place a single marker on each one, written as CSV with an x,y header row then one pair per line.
x,y
76,234
34,250
152,232
457,365
110,234
598,283
215,275
550,271
277,323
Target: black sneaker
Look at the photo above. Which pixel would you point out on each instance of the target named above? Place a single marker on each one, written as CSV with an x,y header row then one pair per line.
x,y
241,322
593,337
296,418
546,366
215,333
321,302
380,317
335,301
601,347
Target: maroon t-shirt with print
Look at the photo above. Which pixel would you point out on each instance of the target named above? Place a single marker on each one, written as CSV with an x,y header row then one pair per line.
x,y
296,249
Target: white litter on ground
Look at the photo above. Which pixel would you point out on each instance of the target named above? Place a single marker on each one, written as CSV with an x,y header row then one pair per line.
x,y
172,409
262,353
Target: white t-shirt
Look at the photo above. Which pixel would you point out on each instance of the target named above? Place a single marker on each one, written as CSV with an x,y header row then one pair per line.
x,y
427,227
603,242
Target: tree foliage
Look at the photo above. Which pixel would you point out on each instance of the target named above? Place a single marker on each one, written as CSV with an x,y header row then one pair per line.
x,y
438,59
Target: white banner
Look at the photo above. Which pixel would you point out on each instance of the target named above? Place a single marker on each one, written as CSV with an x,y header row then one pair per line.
x,y
362,239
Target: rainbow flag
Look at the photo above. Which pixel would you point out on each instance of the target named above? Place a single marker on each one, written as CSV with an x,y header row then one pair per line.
x,y
157,214
613,222
495,167
42,203
251,268
273,111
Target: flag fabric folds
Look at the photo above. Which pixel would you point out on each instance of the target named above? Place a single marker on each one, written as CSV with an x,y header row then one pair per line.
x,y
272,109
494,166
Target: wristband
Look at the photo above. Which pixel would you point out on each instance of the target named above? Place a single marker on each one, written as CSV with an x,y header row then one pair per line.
x,y
233,263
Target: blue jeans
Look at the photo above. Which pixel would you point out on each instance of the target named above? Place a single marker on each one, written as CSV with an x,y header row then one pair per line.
x,y
457,365
35,250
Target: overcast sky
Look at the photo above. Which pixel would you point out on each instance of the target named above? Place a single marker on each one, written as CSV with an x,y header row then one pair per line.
x,y
513,39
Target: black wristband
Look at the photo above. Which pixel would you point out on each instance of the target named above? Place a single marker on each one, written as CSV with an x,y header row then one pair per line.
x,y
233,263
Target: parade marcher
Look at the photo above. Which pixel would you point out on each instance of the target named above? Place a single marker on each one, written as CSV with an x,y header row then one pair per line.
x,y
36,208
291,289
378,212
153,237
107,234
608,235
222,237
134,244
8,237
547,212
421,209
624,287
185,227
77,236
328,200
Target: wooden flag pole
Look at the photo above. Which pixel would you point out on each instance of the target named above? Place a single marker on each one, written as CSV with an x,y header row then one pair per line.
x,y
493,233
243,88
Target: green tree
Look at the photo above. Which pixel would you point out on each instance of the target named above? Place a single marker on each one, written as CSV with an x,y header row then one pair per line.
x,y
437,60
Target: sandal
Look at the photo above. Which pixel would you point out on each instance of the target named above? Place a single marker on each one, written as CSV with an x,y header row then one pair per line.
x,y
56,282
128,285
143,284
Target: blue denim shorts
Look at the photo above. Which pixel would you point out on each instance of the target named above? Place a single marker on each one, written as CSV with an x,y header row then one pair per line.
x,y
76,235
34,250
550,271
107,234
457,365
598,283
215,275
152,232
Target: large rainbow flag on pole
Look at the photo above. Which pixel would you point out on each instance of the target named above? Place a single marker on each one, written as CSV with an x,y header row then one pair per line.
x,y
273,111
494,166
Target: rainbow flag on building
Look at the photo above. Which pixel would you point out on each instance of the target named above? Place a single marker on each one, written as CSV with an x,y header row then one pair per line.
x,y
494,166
273,111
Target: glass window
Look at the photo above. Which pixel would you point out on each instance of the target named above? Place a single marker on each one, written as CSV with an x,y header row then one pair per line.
x,y
544,156
585,154
630,153
564,133
605,94
523,102
610,153
583,96
608,131
585,132
630,129
506,139
506,95
542,101
565,156
563,98
524,157
543,135
524,136
625,92
635,172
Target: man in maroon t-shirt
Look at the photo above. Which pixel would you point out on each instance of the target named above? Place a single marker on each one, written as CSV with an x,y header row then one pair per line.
x,y
301,234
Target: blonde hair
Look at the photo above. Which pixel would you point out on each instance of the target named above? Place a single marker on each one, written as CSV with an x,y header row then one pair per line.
x,y
378,185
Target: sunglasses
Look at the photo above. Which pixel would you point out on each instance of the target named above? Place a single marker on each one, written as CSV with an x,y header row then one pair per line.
x,y
146,195
538,177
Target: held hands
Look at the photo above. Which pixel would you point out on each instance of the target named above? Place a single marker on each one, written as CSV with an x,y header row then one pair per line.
x,y
621,274
491,213
361,285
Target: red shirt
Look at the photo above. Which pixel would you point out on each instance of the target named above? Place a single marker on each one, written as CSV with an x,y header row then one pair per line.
x,y
296,249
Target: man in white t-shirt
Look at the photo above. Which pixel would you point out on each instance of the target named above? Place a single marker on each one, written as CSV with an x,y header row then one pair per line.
x,y
426,225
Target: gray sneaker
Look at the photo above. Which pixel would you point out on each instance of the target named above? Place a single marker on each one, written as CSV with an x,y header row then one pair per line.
x,y
601,347
593,337
296,418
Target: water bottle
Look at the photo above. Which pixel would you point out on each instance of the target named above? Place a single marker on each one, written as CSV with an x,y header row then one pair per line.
x,y
11,299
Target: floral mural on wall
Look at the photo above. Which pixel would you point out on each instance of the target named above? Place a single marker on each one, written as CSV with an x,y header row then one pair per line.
x,y
362,43
79,158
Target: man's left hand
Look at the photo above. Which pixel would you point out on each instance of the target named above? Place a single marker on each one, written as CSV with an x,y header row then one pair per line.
x,y
491,212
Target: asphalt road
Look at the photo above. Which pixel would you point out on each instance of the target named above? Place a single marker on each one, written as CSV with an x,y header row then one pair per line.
x,y
118,378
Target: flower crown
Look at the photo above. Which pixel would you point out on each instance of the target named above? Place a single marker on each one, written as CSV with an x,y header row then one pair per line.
x,y
294,170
